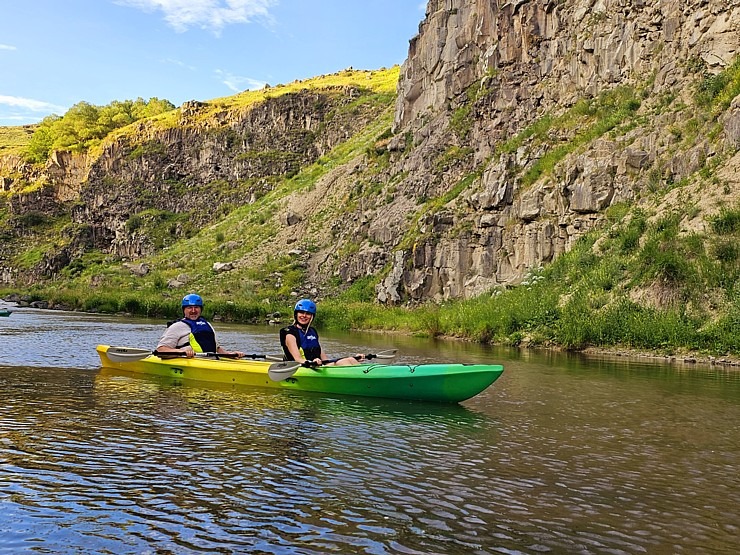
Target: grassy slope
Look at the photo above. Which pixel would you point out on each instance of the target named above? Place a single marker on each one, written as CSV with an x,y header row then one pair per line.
x,y
14,139
661,275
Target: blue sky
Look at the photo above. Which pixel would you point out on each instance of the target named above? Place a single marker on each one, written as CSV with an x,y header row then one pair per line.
x,y
56,53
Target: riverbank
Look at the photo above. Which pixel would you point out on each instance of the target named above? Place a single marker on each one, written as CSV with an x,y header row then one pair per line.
x,y
424,321
685,358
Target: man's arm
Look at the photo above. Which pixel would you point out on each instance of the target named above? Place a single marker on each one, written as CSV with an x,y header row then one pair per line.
x,y
174,335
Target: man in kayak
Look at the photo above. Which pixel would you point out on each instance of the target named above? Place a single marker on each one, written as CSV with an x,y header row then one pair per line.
x,y
300,341
193,333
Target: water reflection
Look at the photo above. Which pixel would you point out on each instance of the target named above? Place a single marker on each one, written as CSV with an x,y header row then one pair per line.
x,y
561,455
208,469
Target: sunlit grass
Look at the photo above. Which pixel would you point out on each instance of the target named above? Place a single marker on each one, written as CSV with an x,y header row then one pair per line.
x,y
13,139
383,80
587,120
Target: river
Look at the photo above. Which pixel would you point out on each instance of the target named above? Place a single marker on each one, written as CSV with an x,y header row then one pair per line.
x,y
563,454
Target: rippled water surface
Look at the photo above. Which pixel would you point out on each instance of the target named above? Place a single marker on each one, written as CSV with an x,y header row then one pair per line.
x,y
561,455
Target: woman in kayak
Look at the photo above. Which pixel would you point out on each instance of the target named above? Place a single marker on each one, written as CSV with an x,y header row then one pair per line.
x,y
300,341
193,333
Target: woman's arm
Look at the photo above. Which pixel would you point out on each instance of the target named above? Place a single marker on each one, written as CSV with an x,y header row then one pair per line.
x,y
292,345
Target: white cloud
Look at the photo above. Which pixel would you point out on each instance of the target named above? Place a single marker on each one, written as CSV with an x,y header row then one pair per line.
x,y
7,47
31,104
237,83
178,63
206,14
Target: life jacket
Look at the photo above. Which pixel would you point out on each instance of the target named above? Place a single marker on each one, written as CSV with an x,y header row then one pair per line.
x,y
202,337
307,341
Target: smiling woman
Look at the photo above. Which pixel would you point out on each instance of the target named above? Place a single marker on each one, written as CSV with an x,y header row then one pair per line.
x,y
300,341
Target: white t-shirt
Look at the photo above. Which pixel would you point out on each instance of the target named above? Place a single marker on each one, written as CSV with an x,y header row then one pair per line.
x,y
177,336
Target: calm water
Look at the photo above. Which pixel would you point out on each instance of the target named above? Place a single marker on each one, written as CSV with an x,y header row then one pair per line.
x,y
561,455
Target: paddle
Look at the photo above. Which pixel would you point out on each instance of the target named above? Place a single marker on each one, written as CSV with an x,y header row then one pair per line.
x,y
131,354
277,373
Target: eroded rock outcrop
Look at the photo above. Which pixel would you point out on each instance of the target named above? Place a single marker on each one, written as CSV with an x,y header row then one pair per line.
x,y
208,161
519,61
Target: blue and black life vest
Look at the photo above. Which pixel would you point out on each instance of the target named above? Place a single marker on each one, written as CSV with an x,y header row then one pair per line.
x,y
202,336
307,341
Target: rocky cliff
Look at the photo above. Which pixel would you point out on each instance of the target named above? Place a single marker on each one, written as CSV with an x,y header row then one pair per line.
x,y
517,125
183,174
508,66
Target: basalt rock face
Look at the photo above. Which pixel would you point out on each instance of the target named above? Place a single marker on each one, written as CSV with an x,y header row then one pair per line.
x,y
200,166
506,65
552,53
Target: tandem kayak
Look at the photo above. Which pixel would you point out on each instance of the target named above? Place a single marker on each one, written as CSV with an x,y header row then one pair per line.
x,y
5,312
449,383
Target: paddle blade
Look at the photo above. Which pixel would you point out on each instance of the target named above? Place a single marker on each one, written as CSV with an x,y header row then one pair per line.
x,y
126,354
390,353
280,371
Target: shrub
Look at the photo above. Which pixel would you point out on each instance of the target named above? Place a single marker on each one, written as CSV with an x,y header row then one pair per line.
x,y
726,222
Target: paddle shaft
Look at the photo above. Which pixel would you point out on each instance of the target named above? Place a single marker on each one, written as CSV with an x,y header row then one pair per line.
x,y
279,374
131,354
280,370
390,353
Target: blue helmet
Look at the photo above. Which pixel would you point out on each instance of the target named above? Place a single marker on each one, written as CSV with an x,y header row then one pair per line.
x,y
192,300
305,305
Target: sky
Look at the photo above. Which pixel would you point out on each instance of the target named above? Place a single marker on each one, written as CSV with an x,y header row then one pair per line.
x,y
57,53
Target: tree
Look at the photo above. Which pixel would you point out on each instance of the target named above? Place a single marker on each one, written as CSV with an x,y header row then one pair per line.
x,y
85,125
42,140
